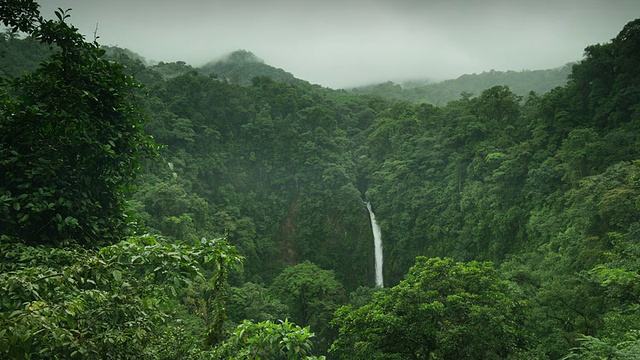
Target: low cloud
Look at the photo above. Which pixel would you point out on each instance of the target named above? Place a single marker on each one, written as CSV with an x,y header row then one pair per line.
x,y
346,43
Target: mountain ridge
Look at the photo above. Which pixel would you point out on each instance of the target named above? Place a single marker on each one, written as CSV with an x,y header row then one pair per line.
x,y
440,93
241,66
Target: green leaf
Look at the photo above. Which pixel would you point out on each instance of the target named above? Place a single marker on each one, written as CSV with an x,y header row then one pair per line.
x,y
117,275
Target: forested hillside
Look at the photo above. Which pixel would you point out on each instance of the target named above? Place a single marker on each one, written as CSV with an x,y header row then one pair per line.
x,y
468,85
241,66
199,216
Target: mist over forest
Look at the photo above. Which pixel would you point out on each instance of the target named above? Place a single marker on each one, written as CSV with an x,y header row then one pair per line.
x,y
163,210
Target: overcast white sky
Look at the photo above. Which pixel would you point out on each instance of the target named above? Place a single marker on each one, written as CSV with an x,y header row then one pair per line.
x,y
352,42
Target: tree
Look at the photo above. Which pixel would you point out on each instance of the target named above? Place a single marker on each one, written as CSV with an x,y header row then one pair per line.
x,y
253,302
441,310
592,348
268,340
498,104
71,139
312,295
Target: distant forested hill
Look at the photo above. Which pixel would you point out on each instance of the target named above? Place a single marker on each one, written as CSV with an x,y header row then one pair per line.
x,y
520,82
241,66
20,54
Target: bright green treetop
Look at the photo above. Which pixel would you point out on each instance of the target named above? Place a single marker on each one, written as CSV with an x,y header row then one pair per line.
x,y
441,310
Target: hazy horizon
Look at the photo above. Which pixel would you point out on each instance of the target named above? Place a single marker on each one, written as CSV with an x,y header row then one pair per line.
x,y
349,43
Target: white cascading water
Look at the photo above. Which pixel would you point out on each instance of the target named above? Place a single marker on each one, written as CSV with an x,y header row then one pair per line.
x,y
377,243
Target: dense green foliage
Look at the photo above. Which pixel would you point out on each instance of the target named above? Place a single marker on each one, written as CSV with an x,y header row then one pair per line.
x,y
71,146
71,142
258,163
510,223
312,296
75,303
267,340
441,310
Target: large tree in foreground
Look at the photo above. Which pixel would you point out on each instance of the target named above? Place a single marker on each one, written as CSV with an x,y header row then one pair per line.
x,y
441,310
312,295
70,139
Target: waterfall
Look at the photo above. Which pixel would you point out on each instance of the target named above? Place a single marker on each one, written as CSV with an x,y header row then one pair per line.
x,y
377,243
